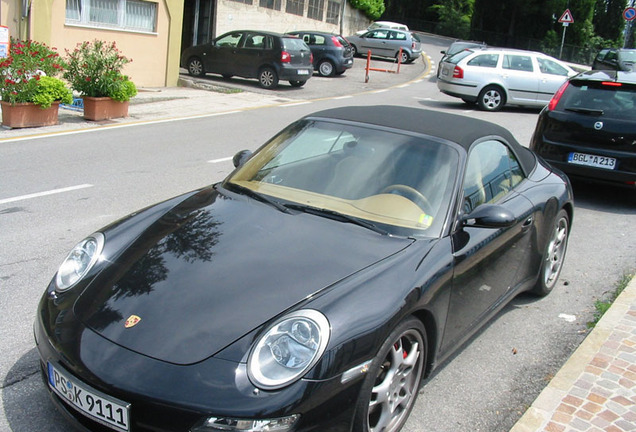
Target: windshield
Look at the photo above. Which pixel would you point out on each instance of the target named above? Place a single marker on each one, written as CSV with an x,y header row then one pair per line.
x,y
400,182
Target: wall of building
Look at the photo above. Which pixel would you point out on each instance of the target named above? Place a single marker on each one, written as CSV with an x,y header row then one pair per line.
x,y
155,56
10,16
232,15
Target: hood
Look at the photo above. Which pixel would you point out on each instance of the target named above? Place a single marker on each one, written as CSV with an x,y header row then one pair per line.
x,y
214,268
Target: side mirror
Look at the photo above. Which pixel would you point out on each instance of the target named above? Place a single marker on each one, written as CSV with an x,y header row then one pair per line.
x,y
240,158
443,51
489,216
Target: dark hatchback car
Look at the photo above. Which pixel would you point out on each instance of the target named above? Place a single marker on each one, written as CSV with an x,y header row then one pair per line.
x,y
622,59
313,288
457,46
269,57
333,55
588,129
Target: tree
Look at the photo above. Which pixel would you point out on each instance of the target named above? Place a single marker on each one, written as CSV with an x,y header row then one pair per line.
x,y
455,17
608,19
371,8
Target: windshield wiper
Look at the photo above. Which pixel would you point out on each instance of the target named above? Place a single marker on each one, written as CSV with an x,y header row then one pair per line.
x,y
337,216
259,197
586,110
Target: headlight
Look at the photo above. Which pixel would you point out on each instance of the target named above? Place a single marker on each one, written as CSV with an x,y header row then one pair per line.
x,y
288,349
79,261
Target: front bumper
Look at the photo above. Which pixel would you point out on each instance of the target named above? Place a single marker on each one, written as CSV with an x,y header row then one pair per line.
x,y
165,397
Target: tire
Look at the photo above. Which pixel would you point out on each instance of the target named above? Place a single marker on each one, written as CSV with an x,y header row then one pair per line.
x,y
268,78
326,68
295,83
405,57
355,50
554,255
393,380
195,67
491,98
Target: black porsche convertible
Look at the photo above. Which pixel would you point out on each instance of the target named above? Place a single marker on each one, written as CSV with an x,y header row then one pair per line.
x,y
311,290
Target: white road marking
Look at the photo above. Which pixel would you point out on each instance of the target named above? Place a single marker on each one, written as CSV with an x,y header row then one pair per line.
x,y
45,193
225,159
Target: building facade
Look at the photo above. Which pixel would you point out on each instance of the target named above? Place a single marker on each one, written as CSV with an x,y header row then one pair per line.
x,y
154,32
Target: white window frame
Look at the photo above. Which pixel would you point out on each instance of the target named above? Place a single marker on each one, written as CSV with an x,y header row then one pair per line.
x,y
78,12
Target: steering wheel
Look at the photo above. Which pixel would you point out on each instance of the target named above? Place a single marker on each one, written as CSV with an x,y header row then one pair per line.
x,y
411,194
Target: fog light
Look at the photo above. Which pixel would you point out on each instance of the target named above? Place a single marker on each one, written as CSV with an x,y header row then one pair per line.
x,y
227,424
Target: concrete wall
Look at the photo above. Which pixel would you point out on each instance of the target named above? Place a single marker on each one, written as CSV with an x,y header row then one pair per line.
x,y
232,15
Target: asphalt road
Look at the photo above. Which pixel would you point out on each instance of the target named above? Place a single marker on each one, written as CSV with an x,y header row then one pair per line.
x,y
486,386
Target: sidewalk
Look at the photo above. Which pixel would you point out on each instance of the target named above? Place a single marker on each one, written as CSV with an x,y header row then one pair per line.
x,y
190,99
596,388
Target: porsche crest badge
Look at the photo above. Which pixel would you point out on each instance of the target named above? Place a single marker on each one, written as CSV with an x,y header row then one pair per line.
x,y
132,321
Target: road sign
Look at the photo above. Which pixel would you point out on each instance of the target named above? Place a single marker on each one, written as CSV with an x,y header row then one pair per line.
x,y
566,18
629,13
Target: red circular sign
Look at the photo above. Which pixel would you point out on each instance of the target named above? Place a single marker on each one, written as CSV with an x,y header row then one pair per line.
x,y
629,13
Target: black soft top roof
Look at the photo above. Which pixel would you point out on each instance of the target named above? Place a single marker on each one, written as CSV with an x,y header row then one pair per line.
x,y
458,129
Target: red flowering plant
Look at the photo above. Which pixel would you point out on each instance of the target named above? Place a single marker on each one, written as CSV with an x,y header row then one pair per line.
x,y
28,75
94,69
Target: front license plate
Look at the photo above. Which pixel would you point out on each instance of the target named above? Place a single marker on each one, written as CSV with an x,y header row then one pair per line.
x,y
96,405
303,72
592,160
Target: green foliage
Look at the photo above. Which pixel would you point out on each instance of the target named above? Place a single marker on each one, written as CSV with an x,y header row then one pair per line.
x,y
603,306
455,17
22,71
51,89
95,70
123,90
371,8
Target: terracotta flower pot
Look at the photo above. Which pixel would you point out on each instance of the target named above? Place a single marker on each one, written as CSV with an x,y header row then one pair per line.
x,y
27,114
104,108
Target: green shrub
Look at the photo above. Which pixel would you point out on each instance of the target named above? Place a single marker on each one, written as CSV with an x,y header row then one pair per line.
x,y
49,90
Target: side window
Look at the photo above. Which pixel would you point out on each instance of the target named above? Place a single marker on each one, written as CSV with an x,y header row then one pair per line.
x,y
548,66
398,36
232,40
255,41
484,60
318,40
492,171
380,34
518,62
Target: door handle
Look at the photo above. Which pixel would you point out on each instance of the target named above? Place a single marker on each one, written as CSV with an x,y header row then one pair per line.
x,y
527,223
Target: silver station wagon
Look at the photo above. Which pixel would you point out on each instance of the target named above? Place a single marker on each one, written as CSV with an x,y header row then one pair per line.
x,y
493,77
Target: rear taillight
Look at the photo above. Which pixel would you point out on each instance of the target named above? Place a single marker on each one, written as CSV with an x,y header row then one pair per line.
x,y
336,42
285,57
413,45
557,96
311,58
458,72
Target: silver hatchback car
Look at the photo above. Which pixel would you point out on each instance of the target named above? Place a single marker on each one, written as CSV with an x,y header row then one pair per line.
x,y
494,77
386,42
